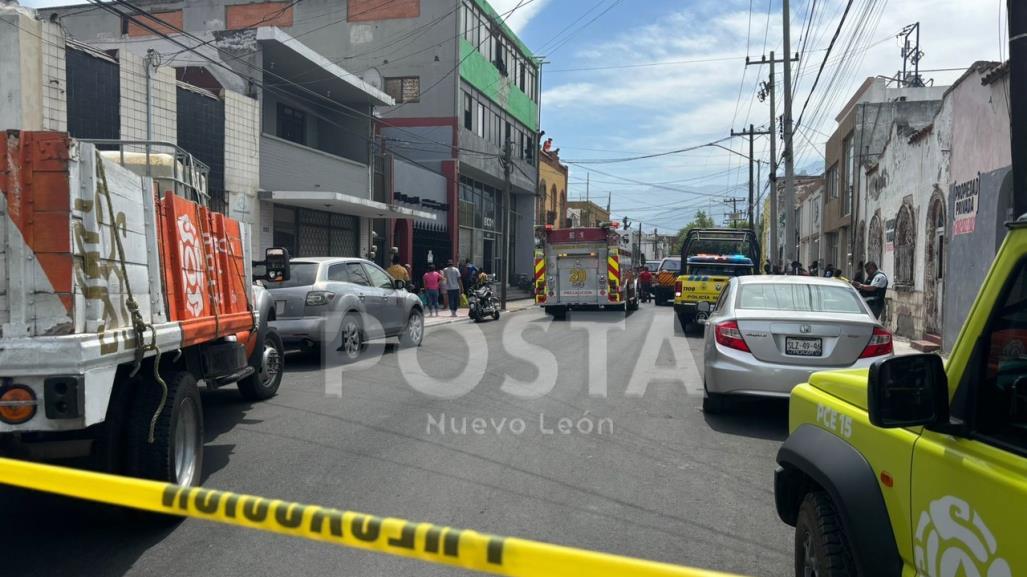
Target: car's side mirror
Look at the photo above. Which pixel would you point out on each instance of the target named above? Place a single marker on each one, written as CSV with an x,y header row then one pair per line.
x,y
276,265
399,284
908,391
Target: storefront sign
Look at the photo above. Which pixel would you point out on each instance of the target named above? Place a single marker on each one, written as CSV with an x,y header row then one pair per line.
x,y
965,196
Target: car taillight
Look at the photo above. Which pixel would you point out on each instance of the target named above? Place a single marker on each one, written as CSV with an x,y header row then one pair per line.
x,y
318,298
880,344
17,404
677,288
727,334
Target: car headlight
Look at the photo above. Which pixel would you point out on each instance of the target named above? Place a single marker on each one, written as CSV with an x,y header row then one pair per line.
x,y
318,298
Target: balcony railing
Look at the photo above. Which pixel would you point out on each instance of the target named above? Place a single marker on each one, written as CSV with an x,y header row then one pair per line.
x,y
285,165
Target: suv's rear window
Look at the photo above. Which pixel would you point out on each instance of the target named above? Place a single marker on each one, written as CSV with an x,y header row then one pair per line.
x,y
799,297
300,274
670,265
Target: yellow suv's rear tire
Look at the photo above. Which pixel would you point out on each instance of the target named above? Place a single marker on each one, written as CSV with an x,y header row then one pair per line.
x,y
821,546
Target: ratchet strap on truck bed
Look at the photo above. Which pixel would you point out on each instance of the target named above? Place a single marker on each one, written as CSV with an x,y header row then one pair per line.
x,y
429,543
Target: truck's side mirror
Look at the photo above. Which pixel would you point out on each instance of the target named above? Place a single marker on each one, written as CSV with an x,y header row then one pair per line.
x,y
908,391
276,265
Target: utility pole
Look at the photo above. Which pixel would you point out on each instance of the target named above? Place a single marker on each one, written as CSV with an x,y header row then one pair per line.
x,y
1017,18
770,90
788,151
734,210
507,170
751,133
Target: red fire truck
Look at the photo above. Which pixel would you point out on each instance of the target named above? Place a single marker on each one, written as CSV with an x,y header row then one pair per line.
x,y
584,268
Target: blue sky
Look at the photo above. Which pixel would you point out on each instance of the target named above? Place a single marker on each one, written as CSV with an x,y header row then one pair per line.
x,y
604,98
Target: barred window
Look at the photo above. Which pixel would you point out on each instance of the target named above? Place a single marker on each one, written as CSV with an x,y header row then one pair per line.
x,y
905,246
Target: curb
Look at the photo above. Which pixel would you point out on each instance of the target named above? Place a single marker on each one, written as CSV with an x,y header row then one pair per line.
x,y
529,303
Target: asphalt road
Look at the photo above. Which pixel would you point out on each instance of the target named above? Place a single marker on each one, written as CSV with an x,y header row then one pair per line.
x,y
640,470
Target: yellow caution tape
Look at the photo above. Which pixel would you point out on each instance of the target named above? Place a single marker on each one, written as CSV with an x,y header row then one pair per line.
x,y
431,543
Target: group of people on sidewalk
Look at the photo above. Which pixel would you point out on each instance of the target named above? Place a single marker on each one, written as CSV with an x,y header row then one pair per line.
x,y
445,286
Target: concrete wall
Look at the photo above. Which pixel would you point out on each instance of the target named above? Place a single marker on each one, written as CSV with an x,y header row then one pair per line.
x,y
133,100
21,61
285,165
242,159
345,135
913,167
980,145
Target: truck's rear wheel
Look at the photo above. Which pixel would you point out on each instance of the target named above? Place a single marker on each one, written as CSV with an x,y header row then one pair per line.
x,y
821,547
269,356
176,453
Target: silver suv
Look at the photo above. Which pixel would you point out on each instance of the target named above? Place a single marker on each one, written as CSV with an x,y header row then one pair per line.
x,y
342,303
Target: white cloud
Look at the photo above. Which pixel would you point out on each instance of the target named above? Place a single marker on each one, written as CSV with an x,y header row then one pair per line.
x,y
520,18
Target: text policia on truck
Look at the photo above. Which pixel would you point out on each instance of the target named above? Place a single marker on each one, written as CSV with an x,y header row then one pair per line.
x,y
139,291
584,268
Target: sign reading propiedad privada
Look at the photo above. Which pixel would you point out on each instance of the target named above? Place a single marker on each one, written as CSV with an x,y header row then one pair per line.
x,y
966,196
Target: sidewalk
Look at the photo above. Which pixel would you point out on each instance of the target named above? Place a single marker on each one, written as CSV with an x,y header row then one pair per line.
x,y
444,317
903,347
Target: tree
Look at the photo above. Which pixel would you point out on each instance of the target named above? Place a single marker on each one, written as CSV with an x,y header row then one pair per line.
x,y
701,220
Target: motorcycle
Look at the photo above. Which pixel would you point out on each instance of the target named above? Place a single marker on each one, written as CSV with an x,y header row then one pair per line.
x,y
482,302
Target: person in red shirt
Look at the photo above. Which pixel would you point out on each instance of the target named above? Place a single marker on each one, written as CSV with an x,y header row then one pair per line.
x,y
645,278
431,279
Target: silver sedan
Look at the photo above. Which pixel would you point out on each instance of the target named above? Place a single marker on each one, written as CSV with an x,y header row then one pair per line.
x,y
770,333
344,302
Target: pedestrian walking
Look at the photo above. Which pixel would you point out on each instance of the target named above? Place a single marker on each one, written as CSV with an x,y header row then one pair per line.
x,y
874,291
432,279
454,286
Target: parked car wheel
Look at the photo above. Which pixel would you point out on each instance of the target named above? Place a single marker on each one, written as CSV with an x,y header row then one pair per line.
x,y
821,546
413,332
351,338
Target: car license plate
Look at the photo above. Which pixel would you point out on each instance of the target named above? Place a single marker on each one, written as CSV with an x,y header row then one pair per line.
x,y
804,347
279,307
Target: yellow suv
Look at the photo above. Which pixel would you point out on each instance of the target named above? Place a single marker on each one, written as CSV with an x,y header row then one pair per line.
x,y
916,467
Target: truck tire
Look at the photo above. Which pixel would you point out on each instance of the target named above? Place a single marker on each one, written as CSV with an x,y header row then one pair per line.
x,y
413,331
821,546
176,454
263,384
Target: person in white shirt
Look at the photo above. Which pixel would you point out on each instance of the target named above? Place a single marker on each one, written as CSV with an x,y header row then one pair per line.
x,y
873,291
454,286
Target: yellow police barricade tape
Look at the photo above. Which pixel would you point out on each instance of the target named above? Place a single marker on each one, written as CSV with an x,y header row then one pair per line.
x,y
443,545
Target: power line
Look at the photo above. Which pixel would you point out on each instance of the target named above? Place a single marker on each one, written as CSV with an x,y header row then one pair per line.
x,y
654,155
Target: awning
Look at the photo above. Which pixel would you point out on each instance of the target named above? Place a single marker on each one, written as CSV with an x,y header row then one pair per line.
x,y
342,203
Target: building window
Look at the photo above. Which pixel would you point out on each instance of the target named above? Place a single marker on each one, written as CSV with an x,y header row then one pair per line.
x,y
500,56
481,120
468,112
905,246
404,88
849,165
832,183
292,124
